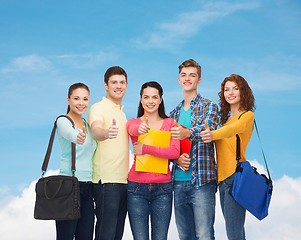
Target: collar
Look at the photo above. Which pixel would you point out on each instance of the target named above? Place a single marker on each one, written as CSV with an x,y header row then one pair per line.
x,y
112,104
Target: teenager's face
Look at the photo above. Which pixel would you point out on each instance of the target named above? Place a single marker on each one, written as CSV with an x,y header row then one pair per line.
x,y
79,101
232,93
150,100
189,79
116,87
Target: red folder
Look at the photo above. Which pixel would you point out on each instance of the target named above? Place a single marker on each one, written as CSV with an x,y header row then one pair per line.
x,y
185,145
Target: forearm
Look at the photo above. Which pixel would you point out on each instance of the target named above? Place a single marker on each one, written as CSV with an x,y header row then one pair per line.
x,y
65,129
100,134
171,152
132,128
212,119
235,127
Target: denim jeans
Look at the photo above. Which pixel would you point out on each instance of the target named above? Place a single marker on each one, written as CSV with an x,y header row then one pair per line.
x,y
234,214
83,227
152,200
194,210
111,208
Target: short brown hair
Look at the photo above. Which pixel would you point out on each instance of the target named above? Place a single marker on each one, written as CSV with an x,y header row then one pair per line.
x,y
247,100
115,70
191,63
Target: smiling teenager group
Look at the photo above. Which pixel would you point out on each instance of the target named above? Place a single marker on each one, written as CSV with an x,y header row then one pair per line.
x,y
109,190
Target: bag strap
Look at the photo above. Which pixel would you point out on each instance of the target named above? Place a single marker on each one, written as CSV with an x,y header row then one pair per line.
x,y
266,165
50,144
238,155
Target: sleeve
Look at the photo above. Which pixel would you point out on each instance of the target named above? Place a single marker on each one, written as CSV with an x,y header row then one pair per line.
x,y
212,119
239,126
132,126
94,114
65,129
171,152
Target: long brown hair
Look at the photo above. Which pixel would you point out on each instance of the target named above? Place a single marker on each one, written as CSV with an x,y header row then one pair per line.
x,y
247,100
74,87
161,109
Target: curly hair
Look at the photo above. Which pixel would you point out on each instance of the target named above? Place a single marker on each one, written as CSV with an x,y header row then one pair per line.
x,y
247,100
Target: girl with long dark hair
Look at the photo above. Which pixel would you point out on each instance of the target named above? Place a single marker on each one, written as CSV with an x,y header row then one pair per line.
x,y
150,193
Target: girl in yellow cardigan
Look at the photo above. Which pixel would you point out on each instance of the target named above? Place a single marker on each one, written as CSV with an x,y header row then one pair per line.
x,y
237,103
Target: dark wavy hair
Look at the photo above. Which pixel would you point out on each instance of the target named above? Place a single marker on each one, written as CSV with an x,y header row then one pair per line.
x,y
161,109
74,87
247,100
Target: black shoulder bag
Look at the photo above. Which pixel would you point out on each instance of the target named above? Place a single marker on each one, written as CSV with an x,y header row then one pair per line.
x,y
57,197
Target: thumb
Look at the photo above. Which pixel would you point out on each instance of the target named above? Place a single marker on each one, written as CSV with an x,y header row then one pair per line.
x,y
207,126
84,129
176,124
114,122
146,120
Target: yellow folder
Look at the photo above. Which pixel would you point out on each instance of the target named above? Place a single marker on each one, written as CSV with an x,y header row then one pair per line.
x,y
150,163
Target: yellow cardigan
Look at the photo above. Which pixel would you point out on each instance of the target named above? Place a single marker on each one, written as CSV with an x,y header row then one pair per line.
x,y
225,142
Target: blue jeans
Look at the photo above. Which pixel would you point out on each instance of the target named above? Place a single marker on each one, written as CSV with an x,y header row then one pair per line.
x,y
152,200
81,228
234,214
111,208
194,210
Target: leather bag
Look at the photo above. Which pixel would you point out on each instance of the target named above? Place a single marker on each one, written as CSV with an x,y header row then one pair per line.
x,y
57,197
250,189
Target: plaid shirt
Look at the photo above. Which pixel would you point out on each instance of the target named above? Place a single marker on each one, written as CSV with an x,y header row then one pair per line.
x,y
203,162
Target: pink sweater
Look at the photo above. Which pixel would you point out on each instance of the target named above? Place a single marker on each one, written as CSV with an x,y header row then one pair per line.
x,y
171,152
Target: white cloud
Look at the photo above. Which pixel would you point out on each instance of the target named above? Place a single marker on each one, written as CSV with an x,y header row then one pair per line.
x,y
35,64
88,60
187,24
31,63
283,221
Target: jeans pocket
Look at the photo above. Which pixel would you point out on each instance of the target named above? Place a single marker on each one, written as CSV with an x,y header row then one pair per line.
x,y
166,188
132,188
229,181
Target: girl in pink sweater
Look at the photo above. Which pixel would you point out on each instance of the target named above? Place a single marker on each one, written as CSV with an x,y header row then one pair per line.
x,y
150,194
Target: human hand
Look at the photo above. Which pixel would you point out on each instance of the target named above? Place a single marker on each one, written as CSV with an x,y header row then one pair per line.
x,y
184,161
206,135
113,130
137,146
143,127
81,136
178,132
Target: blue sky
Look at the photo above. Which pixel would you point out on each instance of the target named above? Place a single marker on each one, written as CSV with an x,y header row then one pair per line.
x,y
46,46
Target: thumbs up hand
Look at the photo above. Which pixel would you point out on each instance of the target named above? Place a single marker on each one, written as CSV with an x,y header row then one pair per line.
x,y
113,130
206,135
81,136
143,127
178,132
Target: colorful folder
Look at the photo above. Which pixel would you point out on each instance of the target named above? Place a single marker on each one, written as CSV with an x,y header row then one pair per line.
x,y
150,163
185,145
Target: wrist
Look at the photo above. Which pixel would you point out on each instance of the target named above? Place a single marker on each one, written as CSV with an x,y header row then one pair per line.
x,y
187,133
